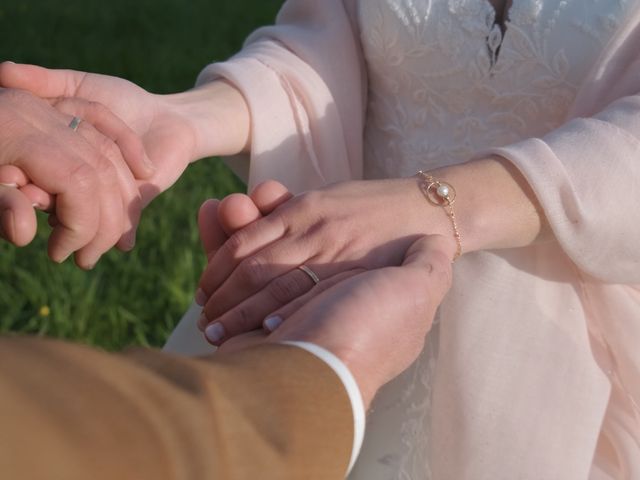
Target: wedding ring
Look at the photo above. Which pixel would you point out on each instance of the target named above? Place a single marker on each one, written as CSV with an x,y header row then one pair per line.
x,y
312,275
75,123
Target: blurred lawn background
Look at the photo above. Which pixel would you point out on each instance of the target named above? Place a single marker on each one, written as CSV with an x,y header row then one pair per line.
x,y
129,298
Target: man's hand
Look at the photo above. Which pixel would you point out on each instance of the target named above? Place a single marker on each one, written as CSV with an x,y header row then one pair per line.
x,y
374,321
97,200
175,129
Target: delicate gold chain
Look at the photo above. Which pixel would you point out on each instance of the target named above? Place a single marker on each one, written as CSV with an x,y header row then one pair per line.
x,y
442,194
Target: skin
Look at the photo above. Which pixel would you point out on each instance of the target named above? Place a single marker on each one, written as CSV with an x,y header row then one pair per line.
x,y
354,225
356,318
171,131
335,230
90,171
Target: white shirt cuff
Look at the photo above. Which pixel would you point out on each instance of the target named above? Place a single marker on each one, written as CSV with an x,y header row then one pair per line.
x,y
350,385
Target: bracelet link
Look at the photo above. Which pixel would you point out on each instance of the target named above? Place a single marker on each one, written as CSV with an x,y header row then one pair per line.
x,y
442,194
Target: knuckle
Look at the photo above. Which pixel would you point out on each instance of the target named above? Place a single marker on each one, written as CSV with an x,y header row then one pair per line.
x,y
234,244
83,178
252,272
109,148
106,170
285,288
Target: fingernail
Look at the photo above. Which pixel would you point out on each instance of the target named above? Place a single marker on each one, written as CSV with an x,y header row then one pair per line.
x,y
201,297
214,332
129,241
271,323
63,259
37,206
10,185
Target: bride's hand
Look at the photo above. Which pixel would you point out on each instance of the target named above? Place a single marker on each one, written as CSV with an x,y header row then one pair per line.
x,y
379,314
344,228
337,232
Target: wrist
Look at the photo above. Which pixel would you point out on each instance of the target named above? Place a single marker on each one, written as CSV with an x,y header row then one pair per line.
x,y
217,114
495,207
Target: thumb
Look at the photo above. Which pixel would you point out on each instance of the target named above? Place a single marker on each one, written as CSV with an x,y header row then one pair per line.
x,y
17,217
40,81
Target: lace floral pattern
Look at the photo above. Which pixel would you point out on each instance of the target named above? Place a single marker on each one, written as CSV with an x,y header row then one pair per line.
x,y
445,83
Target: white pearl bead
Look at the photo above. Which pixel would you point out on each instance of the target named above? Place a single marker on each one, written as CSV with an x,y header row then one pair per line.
x,y
443,191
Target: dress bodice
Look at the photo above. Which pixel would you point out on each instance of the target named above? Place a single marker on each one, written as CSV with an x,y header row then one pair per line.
x,y
446,83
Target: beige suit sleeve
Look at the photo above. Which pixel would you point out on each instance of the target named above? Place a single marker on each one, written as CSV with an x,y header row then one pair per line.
x,y
70,412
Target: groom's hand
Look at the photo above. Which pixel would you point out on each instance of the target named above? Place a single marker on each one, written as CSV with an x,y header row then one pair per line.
x,y
210,120
374,321
96,197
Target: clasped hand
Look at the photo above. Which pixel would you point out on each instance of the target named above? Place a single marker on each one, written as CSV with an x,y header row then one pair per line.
x,y
338,232
361,315
95,180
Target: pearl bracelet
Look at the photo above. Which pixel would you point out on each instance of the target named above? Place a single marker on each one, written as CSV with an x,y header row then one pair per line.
x,y
441,194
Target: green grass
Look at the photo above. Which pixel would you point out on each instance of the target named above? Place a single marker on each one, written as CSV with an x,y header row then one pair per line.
x,y
134,298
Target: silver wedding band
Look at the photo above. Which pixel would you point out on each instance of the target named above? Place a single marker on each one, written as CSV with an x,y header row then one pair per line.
x,y
312,275
75,123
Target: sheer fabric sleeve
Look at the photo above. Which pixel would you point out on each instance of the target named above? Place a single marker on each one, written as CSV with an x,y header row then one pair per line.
x,y
586,173
304,82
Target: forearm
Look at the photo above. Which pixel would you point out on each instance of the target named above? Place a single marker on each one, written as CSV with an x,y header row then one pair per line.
x,y
495,207
218,115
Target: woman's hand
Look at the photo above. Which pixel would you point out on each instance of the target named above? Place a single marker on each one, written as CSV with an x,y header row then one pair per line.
x,y
345,228
337,232
379,314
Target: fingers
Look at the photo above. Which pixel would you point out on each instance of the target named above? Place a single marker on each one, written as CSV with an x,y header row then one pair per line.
x,y
80,167
273,320
118,198
39,198
262,233
12,176
268,195
113,128
43,82
236,212
60,172
250,313
17,217
212,234
217,220
263,271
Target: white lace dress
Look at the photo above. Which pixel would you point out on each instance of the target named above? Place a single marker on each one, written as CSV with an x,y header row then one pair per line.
x,y
443,85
